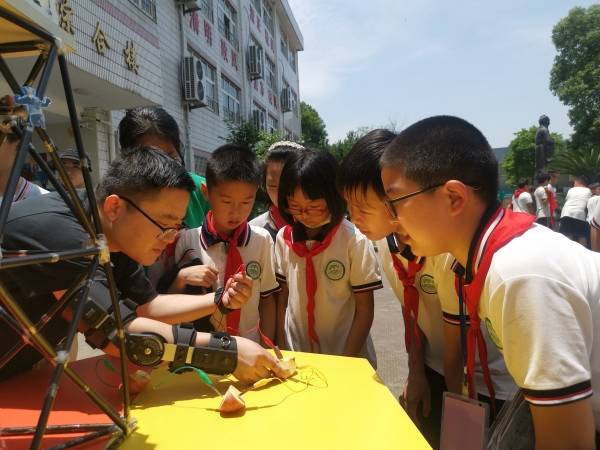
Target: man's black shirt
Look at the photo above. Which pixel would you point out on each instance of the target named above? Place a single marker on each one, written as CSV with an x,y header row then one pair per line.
x,y
45,224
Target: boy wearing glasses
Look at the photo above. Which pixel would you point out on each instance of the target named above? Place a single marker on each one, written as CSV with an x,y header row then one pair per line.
x,y
226,244
417,282
542,312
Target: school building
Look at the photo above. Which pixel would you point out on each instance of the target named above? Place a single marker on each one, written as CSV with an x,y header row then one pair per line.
x,y
207,62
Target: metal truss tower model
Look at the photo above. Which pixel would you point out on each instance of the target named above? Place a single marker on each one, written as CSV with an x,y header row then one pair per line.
x,y
32,99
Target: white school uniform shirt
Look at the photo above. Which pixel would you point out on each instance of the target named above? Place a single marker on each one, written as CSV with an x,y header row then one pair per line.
x,y
594,212
26,189
593,208
502,381
543,313
346,267
256,250
576,203
541,201
520,204
430,311
265,221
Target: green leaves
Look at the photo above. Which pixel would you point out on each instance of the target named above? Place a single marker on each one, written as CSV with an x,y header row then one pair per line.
x,y
582,160
575,75
520,160
314,133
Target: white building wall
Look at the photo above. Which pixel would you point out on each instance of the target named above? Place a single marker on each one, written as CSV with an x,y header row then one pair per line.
x,y
160,46
121,21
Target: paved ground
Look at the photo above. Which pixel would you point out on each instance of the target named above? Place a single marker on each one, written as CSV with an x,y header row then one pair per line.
x,y
387,333
388,337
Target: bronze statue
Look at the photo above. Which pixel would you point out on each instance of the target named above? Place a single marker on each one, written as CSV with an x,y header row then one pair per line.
x,y
544,145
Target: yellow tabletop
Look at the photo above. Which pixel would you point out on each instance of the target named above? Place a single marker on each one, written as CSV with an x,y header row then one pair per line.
x,y
333,402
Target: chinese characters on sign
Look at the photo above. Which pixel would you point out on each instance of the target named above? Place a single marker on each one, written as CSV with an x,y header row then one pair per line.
x,y
208,32
131,57
195,22
65,16
100,40
224,50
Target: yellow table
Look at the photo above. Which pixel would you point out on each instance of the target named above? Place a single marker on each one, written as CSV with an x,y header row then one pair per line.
x,y
353,409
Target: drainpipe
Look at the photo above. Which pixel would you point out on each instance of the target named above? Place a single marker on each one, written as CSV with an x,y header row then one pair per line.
x,y
186,112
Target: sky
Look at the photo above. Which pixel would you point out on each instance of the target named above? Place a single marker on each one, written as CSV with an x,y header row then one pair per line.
x,y
393,62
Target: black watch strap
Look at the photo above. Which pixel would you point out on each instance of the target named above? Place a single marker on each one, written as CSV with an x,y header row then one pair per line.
x,y
219,302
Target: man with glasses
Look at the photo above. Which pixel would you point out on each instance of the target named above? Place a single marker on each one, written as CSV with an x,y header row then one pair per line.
x,y
543,313
142,200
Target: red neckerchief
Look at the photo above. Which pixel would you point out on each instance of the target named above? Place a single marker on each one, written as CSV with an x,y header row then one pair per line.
x,y
410,312
301,249
552,203
234,259
276,217
502,227
518,193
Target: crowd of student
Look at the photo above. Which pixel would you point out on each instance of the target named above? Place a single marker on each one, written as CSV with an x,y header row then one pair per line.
x,y
579,216
493,303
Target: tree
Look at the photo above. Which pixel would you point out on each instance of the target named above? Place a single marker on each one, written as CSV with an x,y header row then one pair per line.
x,y
314,133
581,160
341,148
520,159
575,75
266,140
243,133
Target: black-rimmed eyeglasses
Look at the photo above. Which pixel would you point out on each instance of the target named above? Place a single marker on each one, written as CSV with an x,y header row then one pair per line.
x,y
166,234
391,202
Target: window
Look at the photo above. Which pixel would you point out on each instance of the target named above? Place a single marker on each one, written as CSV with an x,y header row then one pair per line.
x,y
294,104
268,17
272,124
227,23
259,117
148,7
200,162
206,7
256,62
284,46
270,74
292,59
210,82
230,99
257,7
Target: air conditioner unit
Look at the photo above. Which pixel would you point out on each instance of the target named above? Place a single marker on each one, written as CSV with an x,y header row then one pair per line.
x,y
286,99
258,119
192,79
255,68
188,5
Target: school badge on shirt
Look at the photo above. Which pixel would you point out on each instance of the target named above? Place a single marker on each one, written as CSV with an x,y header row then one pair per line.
x,y
427,284
253,270
335,270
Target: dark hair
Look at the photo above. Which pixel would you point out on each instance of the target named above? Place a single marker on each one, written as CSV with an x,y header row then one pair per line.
x,y
232,162
360,167
14,125
583,179
543,177
522,183
279,152
141,171
148,121
313,171
442,148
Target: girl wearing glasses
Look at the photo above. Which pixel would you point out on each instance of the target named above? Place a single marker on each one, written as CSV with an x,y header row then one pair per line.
x,y
327,268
